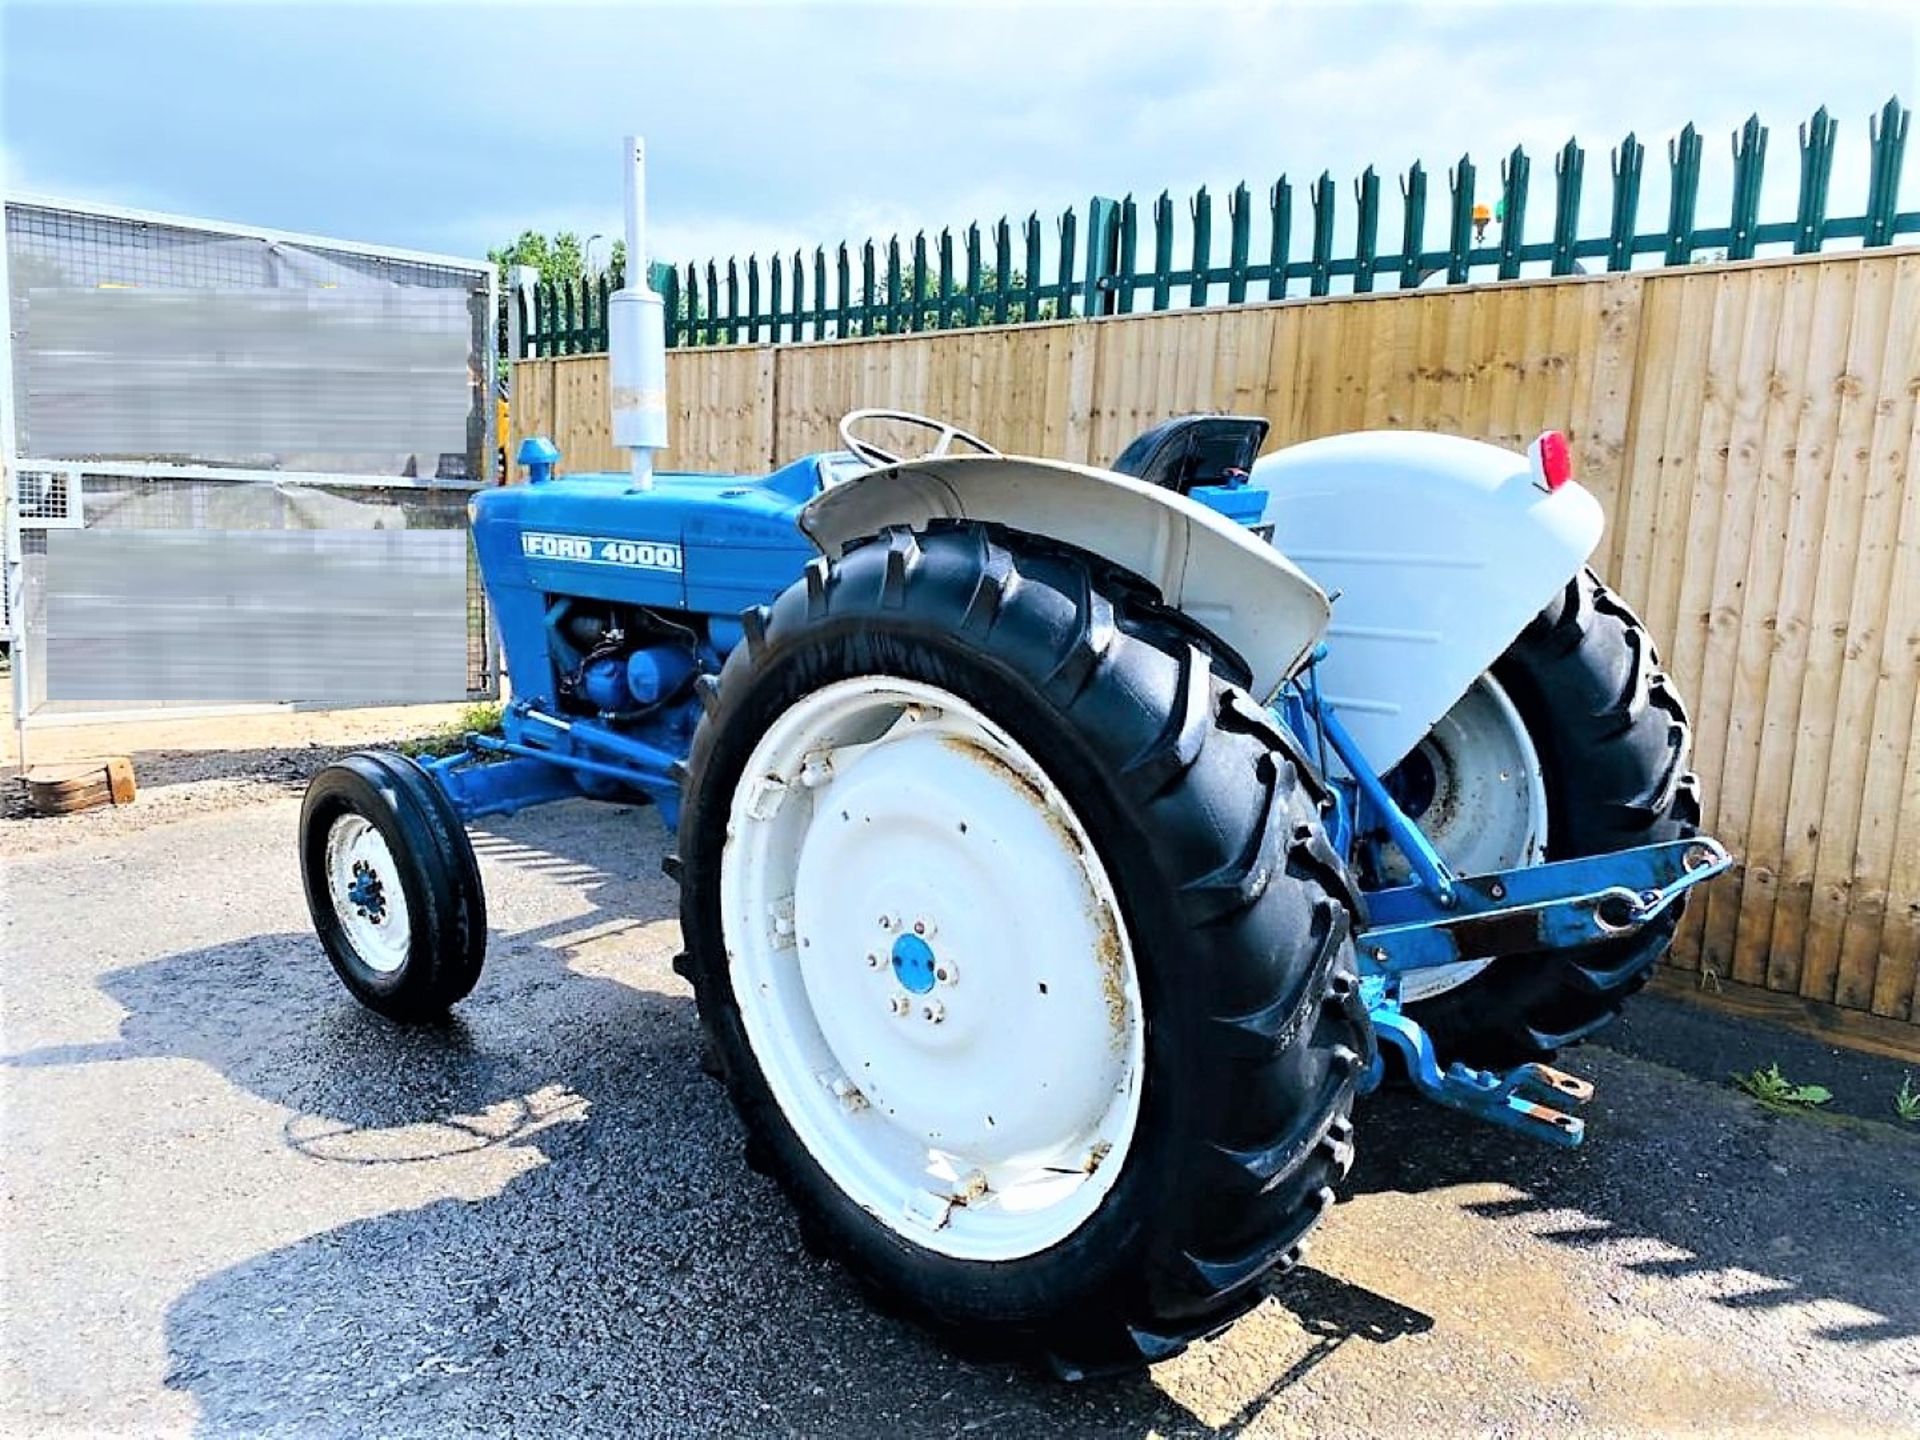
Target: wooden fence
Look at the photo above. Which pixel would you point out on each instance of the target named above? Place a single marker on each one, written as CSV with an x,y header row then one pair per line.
x,y
1750,428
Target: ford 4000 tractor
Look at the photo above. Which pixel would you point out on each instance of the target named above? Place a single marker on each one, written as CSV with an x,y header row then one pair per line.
x,y
1062,849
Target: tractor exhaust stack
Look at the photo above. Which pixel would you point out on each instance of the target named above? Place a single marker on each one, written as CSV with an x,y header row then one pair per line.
x,y
637,336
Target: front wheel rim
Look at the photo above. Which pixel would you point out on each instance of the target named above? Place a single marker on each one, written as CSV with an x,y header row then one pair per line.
x,y
932,969
363,886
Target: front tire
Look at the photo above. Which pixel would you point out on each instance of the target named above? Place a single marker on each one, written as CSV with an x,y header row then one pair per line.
x,y
971,749
392,885
1612,741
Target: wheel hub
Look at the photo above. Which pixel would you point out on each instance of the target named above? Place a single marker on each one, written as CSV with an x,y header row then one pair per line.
x,y
913,963
366,893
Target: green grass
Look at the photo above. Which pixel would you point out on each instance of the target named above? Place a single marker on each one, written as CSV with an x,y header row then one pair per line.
x,y
448,738
1775,1091
1906,1101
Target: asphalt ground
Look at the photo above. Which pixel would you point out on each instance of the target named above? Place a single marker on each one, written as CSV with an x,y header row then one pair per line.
x,y
234,1203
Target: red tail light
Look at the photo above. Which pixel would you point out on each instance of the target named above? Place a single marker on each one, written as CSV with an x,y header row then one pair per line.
x,y
1552,459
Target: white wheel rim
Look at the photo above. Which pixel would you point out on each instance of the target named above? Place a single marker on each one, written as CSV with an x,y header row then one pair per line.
x,y
364,884
1488,811
891,850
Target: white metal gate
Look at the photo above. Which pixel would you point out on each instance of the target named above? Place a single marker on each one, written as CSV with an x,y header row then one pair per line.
x,y
238,464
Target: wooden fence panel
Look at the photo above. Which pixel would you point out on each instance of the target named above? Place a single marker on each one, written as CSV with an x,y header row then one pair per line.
x,y
1749,428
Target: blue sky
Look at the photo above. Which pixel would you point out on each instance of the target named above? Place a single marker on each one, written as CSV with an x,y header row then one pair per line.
x,y
452,128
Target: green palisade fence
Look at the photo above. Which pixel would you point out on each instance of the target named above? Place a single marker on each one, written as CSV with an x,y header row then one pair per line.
x,y
888,290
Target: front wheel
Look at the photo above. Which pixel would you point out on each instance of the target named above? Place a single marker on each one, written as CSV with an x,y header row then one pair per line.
x,y
1022,950
392,885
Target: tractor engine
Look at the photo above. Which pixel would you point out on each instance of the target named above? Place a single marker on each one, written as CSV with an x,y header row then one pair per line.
x,y
621,663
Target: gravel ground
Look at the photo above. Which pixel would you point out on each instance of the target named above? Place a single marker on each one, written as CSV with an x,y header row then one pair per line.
x,y
235,1203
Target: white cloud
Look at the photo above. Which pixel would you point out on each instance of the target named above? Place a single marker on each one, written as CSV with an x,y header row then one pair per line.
x,y
776,129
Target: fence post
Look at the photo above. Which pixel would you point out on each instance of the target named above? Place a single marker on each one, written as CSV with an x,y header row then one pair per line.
x,y
843,306
1460,225
1069,233
1749,162
1103,257
1683,156
1513,211
1239,241
1031,292
820,292
1413,238
1002,268
1129,264
1366,196
894,285
1280,207
917,316
944,314
521,280
970,292
1887,132
1816,170
1628,161
1568,169
1163,251
1201,210
1321,281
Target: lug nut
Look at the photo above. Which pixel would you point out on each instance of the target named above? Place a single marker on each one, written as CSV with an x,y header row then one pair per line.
x,y
900,1005
933,1013
886,922
873,960
946,973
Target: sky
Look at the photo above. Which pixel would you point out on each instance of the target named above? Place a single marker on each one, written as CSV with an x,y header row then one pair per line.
x,y
454,127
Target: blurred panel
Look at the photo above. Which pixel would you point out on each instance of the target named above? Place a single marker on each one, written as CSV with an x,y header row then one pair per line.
x,y
329,616
137,339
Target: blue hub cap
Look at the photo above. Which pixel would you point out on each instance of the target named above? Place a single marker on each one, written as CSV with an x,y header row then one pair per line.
x,y
913,963
369,897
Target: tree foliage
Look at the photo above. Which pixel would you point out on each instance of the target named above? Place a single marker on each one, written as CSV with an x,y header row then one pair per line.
x,y
560,258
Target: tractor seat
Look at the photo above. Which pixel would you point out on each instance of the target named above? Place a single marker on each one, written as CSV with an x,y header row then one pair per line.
x,y
1191,450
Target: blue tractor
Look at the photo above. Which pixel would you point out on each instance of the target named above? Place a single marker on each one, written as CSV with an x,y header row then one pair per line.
x,y
1062,849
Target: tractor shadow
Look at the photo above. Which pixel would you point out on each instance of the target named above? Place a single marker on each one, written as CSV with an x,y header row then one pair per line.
x,y
629,1273
635,1275
1686,1183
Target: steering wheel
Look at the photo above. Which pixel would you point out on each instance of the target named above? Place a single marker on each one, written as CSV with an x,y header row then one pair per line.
x,y
874,455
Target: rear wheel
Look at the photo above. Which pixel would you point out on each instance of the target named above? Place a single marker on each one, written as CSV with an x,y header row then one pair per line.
x,y
1589,723
1021,947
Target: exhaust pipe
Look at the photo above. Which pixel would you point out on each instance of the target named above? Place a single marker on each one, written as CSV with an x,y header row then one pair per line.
x,y
637,337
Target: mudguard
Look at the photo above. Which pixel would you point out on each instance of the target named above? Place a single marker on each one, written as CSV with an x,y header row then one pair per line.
x,y
1243,590
1437,551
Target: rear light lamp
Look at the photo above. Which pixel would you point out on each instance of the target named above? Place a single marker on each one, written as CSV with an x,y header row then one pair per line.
x,y
1552,459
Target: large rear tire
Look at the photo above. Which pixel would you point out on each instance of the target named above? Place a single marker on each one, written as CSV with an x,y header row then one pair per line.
x,y
1612,741
1009,787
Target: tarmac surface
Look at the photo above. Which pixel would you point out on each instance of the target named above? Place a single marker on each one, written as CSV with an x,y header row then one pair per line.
x,y
234,1203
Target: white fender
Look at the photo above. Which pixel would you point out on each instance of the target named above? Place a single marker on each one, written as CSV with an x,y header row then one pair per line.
x,y
1437,552
1240,588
